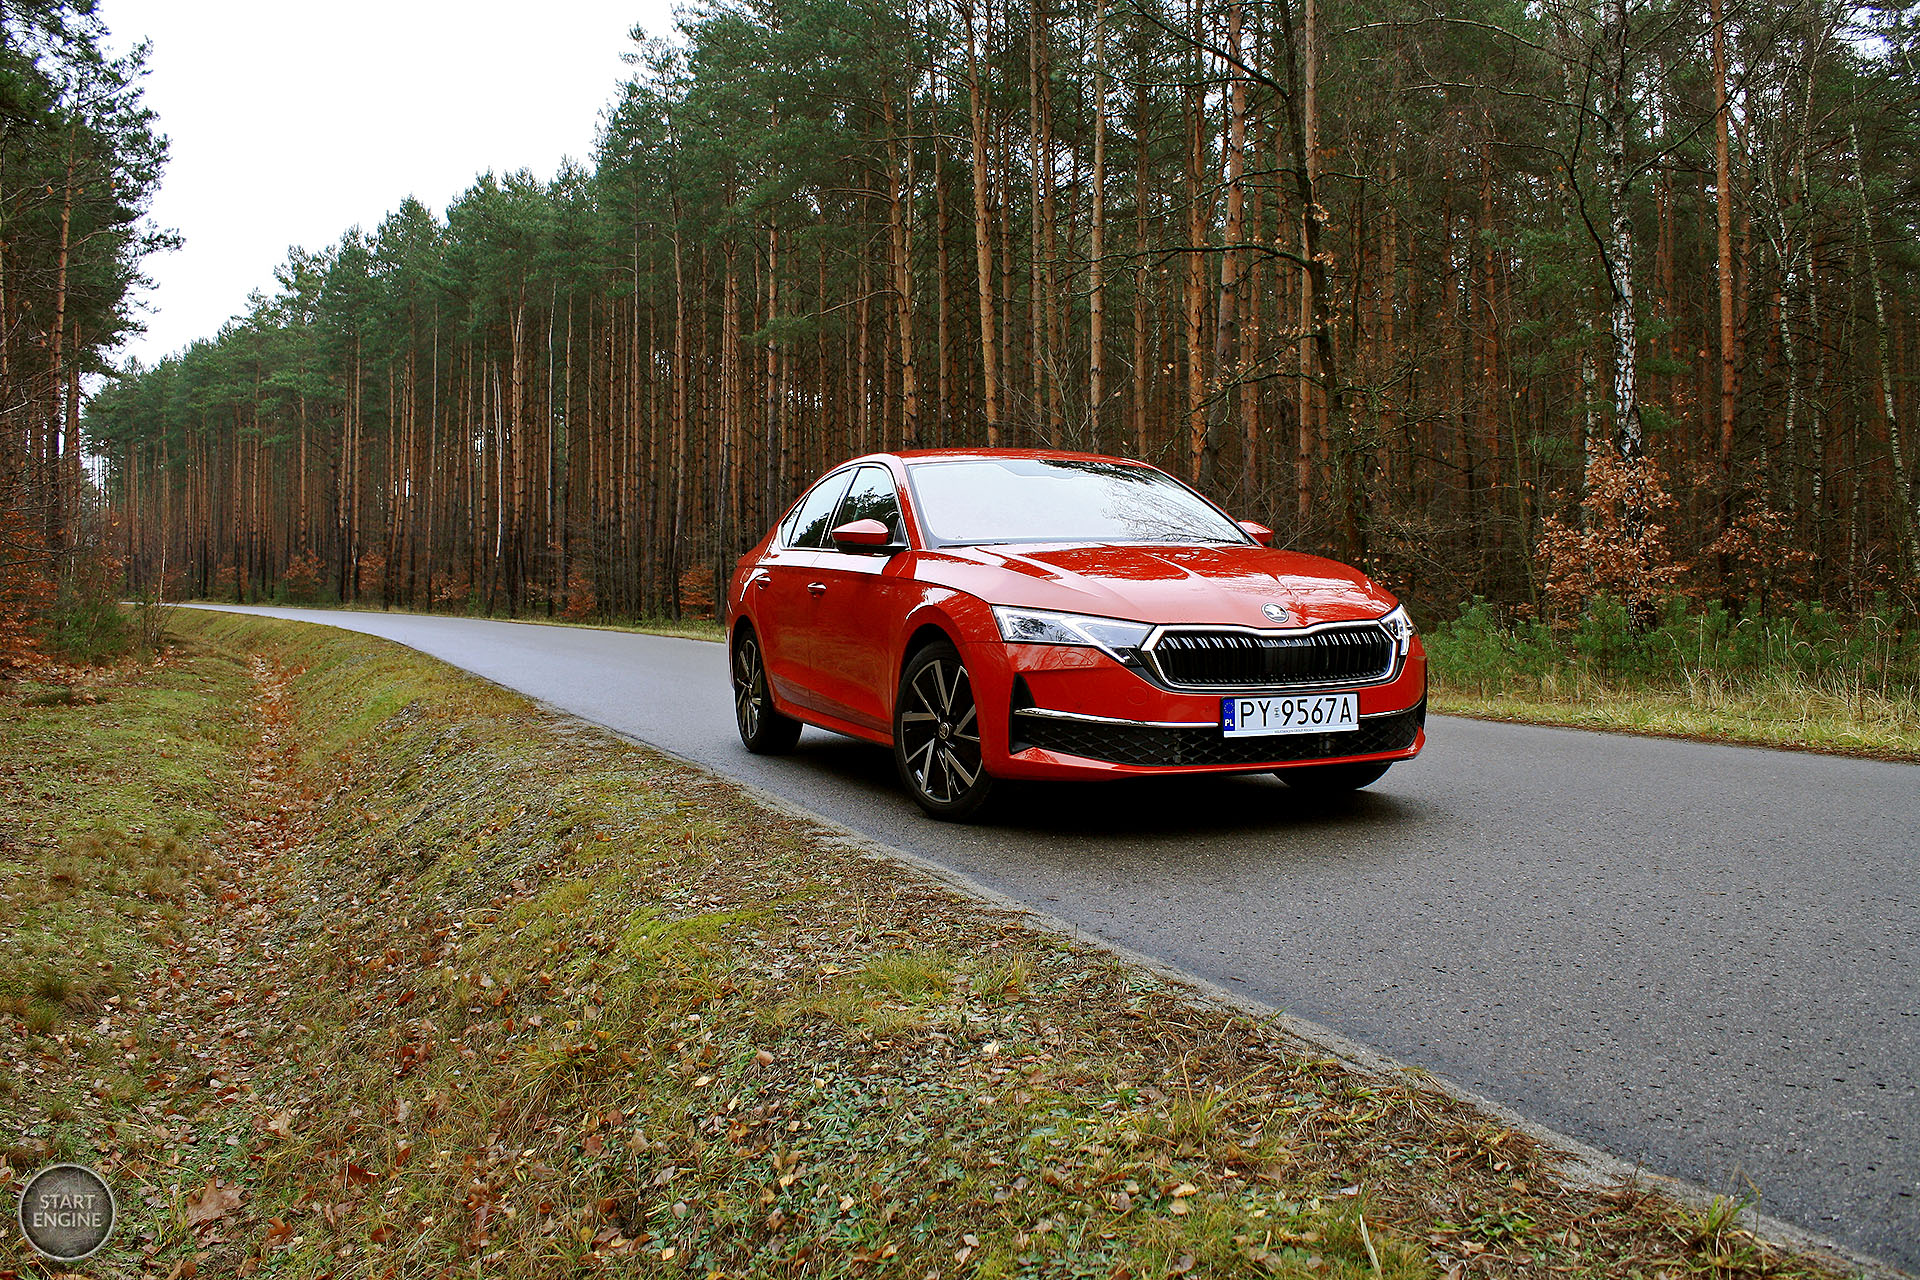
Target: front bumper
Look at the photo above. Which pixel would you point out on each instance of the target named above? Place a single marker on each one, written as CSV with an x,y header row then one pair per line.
x,y
1059,712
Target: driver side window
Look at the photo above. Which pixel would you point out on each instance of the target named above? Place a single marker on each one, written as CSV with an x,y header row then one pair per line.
x,y
872,497
814,516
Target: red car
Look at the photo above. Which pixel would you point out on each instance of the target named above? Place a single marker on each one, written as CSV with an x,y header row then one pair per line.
x,y
1003,613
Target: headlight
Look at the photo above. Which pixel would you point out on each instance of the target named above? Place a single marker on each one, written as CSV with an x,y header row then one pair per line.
x,y
1400,627
1116,637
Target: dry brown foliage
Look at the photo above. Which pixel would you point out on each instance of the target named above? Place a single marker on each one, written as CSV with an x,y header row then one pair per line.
x,y
373,574
1759,552
453,591
696,592
304,577
25,591
581,600
1620,546
226,582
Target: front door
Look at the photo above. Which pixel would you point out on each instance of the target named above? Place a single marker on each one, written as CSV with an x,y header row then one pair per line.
x,y
859,614
788,593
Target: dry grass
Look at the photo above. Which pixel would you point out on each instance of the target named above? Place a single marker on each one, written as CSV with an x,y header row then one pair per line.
x,y
1779,709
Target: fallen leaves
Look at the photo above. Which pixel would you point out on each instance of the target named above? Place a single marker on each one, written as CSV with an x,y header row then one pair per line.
x,y
215,1201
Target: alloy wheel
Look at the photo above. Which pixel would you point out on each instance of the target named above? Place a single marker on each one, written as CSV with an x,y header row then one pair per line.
x,y
763,729
940,732
749,687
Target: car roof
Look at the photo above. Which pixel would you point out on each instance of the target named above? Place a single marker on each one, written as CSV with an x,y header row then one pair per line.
x,y
931,455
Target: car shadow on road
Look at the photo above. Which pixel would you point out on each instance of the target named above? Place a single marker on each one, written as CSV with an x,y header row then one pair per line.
x,y
1174,806
1191,806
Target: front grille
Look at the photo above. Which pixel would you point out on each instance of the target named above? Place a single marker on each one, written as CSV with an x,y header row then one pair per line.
x,y
1223,659
1145,745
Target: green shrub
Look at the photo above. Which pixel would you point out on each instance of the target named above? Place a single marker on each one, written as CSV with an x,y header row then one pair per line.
x,y
87,624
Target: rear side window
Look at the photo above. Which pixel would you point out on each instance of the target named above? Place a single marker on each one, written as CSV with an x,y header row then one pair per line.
x,y
872,497
810,522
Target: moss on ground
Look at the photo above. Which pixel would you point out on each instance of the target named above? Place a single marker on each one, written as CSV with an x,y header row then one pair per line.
x,y
109,790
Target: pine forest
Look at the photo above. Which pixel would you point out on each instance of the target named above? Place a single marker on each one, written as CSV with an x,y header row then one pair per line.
x,y
1520,302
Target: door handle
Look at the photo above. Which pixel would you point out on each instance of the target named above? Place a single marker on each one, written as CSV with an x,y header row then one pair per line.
x,y
816,588
760,582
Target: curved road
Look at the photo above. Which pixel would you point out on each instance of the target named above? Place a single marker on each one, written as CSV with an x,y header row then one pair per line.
x,y
1705,959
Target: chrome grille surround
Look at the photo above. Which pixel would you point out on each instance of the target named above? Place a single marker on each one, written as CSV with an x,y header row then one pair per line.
x,y
1234,659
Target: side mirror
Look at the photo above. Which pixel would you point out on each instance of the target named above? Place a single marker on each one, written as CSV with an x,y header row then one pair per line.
x,y
1258,532
864,535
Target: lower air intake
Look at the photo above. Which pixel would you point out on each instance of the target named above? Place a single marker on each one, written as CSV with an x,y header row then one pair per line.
x,y
1144,745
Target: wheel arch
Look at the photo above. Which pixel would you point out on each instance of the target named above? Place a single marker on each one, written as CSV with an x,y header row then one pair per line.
x,y
940,615
925,633
926,630
742,624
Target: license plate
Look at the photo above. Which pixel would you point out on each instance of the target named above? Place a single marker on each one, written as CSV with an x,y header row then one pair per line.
x,y
1312,713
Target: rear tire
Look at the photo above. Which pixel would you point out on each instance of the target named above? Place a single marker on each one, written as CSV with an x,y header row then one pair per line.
x,y
1333,779
936,735
762,728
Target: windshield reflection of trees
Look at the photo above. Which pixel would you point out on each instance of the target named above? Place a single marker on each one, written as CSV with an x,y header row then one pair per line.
x,y
1067,499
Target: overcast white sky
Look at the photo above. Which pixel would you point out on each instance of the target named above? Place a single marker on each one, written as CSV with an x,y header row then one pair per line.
x,y
292,121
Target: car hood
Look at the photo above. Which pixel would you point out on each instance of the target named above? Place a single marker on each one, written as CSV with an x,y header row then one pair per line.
x,y
1166,584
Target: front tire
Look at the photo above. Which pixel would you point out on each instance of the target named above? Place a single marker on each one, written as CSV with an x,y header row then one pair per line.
x,y
936,735
1333,779
762,728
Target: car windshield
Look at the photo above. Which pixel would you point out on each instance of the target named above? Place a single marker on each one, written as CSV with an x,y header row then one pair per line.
x,y
989,500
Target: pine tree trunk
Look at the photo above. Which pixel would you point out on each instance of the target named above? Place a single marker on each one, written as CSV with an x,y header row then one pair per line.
x,y
1054,338
1906,522
1226,347
1198,218
901,236
680,410
944,381
1097,244
1723,224
1142,271
1306,149
982,240
58,530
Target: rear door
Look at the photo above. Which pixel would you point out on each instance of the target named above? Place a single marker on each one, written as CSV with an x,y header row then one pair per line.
x,y
859,612
786,592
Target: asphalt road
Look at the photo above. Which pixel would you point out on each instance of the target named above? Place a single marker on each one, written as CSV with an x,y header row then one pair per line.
x,y
1705,959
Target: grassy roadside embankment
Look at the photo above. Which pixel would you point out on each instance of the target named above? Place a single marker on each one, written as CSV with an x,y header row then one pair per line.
x,y
340,962
1809,680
